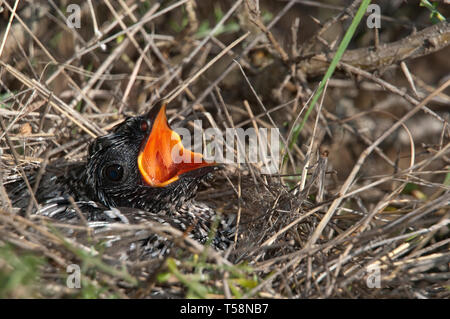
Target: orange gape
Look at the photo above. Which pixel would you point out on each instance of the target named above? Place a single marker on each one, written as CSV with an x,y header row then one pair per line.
x,y
164,158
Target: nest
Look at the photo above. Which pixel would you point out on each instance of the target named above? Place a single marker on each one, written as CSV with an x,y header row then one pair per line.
x,y
359,208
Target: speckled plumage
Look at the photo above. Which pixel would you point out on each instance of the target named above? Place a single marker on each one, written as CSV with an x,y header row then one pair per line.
x,y
97,197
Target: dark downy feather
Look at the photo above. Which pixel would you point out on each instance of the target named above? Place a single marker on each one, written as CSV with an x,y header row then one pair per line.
x,y
97,196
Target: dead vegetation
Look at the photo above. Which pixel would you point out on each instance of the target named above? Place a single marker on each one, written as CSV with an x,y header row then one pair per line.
x,y
360,207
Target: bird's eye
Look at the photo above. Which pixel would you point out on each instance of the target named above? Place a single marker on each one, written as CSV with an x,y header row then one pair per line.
x,y
113,172
144,125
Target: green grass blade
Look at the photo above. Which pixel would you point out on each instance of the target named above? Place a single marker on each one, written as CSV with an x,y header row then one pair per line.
x,y
337,57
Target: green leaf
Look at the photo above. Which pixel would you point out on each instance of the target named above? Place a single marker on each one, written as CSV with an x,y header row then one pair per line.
x,y
18,273
247,283
218,13
447,179
234,290
435,15
409,188
163,277
120,38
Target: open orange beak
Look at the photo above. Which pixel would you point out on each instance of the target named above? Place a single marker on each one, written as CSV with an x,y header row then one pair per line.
x,y
164,159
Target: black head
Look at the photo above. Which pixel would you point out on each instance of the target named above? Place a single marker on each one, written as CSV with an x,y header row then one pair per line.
x,y
124,168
